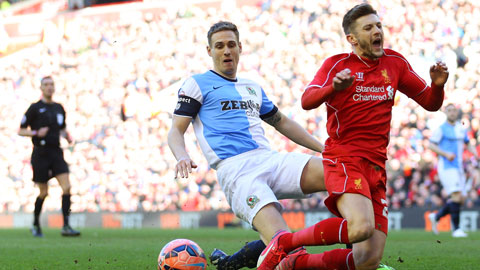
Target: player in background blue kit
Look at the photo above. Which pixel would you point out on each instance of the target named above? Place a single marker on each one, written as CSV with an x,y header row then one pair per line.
x,y
448,142
227,113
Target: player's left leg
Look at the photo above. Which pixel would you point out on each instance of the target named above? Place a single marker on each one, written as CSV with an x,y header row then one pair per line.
x,y
268,221
455,205
64,182
368,254
357,227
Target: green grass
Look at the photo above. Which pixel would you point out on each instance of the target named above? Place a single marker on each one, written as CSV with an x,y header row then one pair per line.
x,y
138,249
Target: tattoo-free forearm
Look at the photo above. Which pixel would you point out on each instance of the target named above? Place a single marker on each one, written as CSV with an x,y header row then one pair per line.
x,y
27,132
435,148
176,142
298,134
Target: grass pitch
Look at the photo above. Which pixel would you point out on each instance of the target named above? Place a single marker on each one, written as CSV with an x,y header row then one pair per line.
x,y
136,249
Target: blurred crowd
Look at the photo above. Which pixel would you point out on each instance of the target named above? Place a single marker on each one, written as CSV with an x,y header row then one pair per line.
x,y
118,79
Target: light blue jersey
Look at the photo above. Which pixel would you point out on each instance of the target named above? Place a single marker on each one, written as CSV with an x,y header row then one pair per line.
x,y
227,114
450,138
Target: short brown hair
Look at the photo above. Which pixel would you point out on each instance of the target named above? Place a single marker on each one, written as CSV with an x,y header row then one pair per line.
x,y
222,26
353,14
46,78
450,105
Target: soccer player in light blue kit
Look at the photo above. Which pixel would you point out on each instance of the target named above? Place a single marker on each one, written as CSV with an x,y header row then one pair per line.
x,y
448,142
227,113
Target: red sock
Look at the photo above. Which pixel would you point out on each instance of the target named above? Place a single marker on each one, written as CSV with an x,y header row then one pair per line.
x,y
326,232
338,259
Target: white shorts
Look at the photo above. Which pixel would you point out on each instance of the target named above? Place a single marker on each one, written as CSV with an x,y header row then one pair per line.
x,y
256,178
453,180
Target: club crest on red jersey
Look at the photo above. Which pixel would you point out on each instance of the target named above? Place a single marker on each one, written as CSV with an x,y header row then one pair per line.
x,y
385,76
358,183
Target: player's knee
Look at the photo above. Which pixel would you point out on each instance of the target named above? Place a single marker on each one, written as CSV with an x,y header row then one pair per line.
x,y
360,231
456,197
368,262
66,189
317,169
312,179
43,194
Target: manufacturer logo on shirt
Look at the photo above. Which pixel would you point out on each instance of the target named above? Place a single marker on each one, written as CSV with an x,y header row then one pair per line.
x,y
216,87
359,77
42,110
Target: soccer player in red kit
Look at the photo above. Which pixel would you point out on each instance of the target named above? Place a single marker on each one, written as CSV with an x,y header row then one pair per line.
x,y
358,89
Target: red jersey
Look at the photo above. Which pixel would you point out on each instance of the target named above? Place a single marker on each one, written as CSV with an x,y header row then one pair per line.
x,y
358,117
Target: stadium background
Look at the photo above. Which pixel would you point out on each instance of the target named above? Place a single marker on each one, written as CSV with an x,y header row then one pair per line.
x,y
117,69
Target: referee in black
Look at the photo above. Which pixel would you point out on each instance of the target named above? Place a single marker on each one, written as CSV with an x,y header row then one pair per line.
x,y
46,120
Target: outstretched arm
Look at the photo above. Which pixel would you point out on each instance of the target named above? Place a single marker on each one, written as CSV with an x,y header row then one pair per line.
x,y
294,131
176,142
431,98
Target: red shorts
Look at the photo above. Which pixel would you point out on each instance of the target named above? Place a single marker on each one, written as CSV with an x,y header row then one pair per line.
x,y
357,175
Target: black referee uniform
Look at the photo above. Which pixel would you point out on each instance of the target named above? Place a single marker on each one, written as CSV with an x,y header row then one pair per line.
x,y
47,156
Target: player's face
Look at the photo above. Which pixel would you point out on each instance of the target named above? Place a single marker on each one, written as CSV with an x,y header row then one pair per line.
x,y
225,52
47,87
452,114
368,37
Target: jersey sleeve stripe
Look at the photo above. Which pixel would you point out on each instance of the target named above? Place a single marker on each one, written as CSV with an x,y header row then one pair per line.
x,y
180,115
328,74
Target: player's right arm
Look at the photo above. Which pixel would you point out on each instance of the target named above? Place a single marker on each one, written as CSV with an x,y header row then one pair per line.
x,y
188,106
176,142
26,122
433,145
27,132
327,81
435,148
